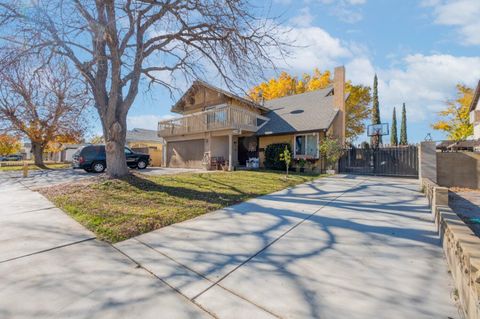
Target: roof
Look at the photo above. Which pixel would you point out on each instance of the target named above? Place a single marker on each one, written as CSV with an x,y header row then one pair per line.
x,y
454,145
226,93
302,112
143,135
476,97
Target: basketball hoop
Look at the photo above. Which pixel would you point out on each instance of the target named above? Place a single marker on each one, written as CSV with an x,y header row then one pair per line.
x,y
377,129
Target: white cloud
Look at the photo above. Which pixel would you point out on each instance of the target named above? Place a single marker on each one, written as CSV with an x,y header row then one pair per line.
x,y
424,83
312,47
360,70
147,121
348,11
304,19
463,14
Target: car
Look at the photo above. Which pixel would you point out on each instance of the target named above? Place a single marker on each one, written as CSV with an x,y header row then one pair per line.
x,y
92,158
15,157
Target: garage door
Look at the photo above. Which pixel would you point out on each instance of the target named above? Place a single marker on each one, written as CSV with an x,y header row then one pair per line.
x,y
185,154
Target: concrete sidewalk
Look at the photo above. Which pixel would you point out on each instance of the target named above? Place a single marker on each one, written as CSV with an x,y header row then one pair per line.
x,y
335,248
52,267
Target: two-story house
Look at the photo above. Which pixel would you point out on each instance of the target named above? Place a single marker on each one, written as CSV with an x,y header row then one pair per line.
x,y
218,124
475,113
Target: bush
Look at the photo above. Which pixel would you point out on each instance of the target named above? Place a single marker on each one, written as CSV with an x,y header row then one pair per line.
x,y
272,156
331,148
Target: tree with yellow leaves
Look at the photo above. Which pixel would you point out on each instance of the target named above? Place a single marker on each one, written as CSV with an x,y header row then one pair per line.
x,y
9,144
456,117
357,104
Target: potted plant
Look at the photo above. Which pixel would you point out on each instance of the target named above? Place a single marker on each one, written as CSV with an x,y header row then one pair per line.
x,y
301,164
332,150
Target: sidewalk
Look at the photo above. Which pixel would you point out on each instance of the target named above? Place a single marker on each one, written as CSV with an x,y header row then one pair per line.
x,y
53,267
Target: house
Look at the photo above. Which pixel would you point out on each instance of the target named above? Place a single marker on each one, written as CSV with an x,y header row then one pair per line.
x,y
146,141
475,112
66,154
217,124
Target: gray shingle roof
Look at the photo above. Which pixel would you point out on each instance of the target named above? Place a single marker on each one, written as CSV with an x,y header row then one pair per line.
x,y
302,112
140,134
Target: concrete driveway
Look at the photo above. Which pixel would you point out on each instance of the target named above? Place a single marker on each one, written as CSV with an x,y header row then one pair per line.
x,y
333,248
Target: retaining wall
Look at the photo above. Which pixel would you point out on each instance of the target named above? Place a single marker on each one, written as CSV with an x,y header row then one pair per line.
x,y
461,248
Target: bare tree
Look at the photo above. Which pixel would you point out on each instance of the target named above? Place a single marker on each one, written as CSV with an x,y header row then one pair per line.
x,y
42,101
116,43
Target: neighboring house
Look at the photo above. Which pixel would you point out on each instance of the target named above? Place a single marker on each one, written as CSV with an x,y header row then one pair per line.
x,y
475,113
146,141
26,150
218,124
66,154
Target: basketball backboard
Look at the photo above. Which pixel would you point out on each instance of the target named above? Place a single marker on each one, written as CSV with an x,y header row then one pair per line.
x,y
377,129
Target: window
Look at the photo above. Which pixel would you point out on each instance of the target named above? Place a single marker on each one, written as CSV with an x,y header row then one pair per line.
x,y
128,151
306,145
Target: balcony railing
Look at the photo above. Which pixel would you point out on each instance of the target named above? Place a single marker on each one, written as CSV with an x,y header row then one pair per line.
x,y
219,118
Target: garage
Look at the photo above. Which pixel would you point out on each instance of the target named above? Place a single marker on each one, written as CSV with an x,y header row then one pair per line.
x,y
187,154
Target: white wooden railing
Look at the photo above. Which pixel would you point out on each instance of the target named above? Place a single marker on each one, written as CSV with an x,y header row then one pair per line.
x,y
219,118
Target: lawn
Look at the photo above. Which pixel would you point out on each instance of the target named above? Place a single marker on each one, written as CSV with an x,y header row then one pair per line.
x,y
119,209
32,167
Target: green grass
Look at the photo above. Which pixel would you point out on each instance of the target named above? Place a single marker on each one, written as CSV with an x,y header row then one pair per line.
x,y
116,210
32,167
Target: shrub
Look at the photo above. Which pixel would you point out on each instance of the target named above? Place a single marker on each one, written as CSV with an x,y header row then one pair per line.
x,y
286,157
272,155
331,148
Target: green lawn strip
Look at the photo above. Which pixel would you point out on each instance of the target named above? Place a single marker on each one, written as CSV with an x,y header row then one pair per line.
x,y
116,210
32,167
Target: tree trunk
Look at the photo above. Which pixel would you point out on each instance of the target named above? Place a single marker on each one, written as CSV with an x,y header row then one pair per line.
x,y
37,150
115,148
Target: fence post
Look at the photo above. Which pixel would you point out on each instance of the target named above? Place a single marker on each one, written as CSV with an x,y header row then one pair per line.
x,y
25,169
427,161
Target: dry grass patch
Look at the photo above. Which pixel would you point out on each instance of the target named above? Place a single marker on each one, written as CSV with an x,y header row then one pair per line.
x,y
119,209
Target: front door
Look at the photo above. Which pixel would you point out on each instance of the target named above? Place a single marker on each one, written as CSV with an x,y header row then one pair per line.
x,y
247,148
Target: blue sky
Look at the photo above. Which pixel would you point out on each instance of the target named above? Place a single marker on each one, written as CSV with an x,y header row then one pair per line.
x,y
419,49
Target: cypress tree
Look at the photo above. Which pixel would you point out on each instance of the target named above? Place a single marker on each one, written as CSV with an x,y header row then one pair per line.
x,y
393,134
375,141
403,127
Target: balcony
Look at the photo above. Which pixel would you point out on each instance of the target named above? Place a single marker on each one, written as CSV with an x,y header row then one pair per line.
x,y
224,117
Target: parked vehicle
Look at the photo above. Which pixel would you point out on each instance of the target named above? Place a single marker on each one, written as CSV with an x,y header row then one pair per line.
x,y
15,157
92,158
3,159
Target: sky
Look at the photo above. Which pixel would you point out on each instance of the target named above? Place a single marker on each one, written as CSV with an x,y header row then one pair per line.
x,y
419,49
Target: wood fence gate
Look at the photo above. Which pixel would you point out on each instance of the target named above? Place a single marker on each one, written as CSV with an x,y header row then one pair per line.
x,y
401,161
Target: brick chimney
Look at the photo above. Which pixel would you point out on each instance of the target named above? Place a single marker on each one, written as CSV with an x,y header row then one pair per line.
x,y
339,103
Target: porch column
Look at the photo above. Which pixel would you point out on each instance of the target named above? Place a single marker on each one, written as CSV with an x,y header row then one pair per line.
x,y
230,151
164,154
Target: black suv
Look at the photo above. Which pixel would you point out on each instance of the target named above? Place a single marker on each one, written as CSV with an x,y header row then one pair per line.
x,y
92,158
